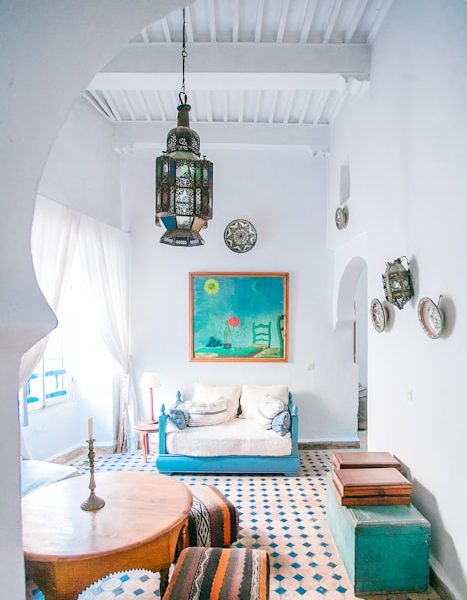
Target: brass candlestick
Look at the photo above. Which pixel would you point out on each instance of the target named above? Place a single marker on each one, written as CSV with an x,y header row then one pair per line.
x,y
93,502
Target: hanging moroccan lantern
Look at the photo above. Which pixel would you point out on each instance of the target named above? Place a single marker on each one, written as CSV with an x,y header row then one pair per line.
x,y
183,179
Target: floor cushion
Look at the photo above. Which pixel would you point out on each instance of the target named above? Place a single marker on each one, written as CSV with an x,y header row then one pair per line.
x,y
213,519
237,437
221,573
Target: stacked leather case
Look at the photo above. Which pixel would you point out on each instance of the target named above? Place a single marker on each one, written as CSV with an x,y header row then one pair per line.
x,y
369,478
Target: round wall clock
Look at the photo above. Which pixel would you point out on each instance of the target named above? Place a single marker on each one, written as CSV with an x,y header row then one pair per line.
x,y
378,315
341,217
430,317
240,235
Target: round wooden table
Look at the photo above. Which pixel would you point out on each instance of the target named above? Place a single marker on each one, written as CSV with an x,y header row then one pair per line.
x,y
67,549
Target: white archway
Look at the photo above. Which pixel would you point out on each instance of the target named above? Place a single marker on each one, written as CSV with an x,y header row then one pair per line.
x,y
347,287
352,324
50,51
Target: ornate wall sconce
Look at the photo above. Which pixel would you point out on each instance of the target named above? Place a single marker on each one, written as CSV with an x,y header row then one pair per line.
x,y
397,282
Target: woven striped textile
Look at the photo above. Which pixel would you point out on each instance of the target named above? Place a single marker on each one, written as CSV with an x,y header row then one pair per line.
x,y
213,519
220,574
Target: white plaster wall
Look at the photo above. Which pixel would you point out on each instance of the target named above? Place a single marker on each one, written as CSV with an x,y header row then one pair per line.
x,y
407,147
82,169
283,193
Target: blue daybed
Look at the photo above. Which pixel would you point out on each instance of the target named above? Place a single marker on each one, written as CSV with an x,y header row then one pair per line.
x,y
287,464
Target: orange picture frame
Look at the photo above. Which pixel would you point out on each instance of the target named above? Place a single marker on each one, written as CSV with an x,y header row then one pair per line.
x,y
238,317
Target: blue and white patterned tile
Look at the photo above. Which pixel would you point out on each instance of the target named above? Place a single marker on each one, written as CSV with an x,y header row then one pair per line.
x,y
286,516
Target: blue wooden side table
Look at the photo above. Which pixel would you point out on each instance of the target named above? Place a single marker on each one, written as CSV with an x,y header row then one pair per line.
x,y
384,548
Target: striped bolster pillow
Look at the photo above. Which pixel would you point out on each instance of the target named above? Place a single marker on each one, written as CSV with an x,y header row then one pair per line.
x,y
206,413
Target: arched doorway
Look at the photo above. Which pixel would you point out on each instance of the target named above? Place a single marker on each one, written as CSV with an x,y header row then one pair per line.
x,y
352,314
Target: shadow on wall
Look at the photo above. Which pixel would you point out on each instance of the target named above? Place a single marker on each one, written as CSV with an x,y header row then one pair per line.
x,y
441,540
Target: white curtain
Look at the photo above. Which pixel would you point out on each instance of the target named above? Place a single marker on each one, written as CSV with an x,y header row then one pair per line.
x,y
104,253
54,236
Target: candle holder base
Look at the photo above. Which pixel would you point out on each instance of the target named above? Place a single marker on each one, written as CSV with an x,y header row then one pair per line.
x,y
93,502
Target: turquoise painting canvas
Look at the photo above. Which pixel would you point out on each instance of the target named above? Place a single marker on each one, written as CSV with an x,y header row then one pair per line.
x,y
238,316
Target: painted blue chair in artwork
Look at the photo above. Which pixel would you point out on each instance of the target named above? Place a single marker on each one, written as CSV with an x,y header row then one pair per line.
x,y
262,334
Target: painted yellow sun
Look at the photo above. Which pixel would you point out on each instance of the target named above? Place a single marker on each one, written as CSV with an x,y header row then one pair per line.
x,y
211,286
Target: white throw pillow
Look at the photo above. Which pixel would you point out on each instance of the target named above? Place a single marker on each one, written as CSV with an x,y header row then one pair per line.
x,y
268,408
206,413
210,393
253,394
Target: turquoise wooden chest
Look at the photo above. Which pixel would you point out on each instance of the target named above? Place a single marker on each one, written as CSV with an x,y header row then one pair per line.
x,y
384,548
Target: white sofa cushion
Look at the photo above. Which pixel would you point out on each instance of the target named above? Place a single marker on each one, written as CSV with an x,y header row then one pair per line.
x,y
268,408
206,412
237,437
253,394
210,393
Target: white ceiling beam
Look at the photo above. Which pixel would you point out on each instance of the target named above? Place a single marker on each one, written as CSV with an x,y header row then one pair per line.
x,y
189,25
272,111
212,21
288,106
236,21
94,101
257,106
144,104
259,21
145,35
241,105
355,20
382,12
128,106
208,105
222,81
305,107
339,101
166,30
316,137
113,105
321,103
225,102
332,21
282,21
160,105
308,20
157,66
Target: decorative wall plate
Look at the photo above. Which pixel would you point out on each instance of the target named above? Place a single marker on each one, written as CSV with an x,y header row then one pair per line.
x,y
378,314
341,217
430,317
240,235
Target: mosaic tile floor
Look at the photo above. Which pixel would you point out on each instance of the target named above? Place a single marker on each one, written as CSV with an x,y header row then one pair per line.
x,y
283,515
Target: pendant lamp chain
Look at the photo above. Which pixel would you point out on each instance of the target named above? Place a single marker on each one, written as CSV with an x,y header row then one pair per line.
x,y
182,95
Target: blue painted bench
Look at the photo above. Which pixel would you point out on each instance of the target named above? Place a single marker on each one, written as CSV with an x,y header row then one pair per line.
x,y
384,548
176,463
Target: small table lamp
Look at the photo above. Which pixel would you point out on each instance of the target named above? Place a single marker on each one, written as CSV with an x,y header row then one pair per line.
x,y
149,381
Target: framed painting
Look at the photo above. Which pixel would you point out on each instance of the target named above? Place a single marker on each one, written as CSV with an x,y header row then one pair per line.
x,y
239,317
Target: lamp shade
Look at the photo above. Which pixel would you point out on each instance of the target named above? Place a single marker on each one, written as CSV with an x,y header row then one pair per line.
x,y
149,380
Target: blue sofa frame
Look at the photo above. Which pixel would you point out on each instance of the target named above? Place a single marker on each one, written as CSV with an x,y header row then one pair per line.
x,y
178,463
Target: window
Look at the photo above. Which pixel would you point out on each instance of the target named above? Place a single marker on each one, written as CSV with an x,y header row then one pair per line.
x,y
49,381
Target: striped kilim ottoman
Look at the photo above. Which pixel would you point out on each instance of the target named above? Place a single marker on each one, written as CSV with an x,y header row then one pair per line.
x,y
220,574
213,519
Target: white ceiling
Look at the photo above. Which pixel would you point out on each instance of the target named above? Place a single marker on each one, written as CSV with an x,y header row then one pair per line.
x,y
288,62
